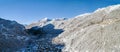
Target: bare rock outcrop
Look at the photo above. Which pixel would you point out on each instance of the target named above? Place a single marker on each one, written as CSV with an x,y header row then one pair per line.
x,y
12,36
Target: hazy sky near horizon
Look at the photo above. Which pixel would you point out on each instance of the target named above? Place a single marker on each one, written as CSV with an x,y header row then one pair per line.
x,y
27,11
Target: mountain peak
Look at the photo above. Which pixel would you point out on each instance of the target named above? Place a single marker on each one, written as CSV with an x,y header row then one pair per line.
x,y
45,19
109,8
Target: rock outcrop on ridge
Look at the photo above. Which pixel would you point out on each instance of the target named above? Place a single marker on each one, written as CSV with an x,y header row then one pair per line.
x,y
12,36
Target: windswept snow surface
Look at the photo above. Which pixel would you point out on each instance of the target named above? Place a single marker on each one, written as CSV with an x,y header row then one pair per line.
x,y
95,32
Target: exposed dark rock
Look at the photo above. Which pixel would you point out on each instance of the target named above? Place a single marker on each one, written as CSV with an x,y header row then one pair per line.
x,y
43,40
12,36
49,29
35,30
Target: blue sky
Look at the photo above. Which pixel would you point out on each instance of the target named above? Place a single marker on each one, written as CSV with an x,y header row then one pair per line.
x,y
27,11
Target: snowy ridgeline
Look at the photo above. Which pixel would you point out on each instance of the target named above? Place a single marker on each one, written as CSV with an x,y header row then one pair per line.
x,y
43,22
93,32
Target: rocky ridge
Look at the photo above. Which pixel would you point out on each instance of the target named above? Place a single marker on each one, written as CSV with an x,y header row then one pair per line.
x,y
12,36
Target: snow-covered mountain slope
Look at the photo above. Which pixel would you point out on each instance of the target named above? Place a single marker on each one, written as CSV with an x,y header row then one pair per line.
x,y
94,32
91,32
